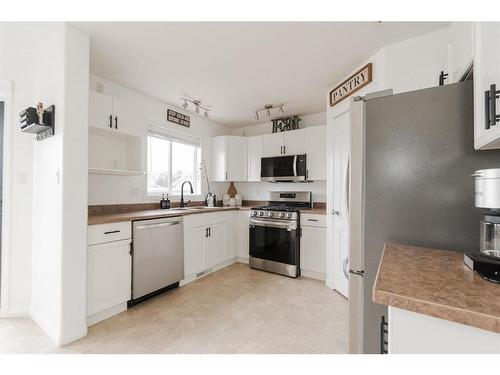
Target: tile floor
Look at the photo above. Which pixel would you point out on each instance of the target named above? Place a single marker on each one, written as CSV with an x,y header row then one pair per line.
x,y
234,310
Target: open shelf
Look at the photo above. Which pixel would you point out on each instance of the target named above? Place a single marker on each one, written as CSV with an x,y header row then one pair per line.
x,y
119,172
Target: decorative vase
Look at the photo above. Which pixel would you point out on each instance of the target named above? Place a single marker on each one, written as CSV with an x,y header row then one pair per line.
x,y
239,199
225,200
232,190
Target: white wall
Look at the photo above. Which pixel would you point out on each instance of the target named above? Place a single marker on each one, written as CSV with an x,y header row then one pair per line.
x,y
106,189
16,66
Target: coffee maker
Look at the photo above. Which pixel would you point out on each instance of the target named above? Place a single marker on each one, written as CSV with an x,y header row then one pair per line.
x,y
487,187
487,262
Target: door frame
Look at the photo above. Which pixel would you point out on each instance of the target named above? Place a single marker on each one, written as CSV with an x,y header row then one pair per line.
x,y
6,97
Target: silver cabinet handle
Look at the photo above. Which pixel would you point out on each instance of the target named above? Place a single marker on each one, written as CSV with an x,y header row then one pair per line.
x,y
159,225
345,268
112,231
312,219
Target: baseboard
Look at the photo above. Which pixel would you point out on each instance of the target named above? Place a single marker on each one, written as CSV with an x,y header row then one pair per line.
x,y
217,267
242,260
14,314
312,274
103,315
73,336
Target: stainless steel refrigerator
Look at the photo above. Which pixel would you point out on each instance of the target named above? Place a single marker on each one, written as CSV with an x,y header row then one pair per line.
x,y
412,155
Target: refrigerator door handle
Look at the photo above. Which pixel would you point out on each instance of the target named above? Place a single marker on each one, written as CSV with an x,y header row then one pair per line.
x,y
345,267
347,187
357,272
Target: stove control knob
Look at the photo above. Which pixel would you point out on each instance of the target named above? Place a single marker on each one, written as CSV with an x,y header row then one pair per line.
x,y
289,215
270,214
261,213
254,213
282,214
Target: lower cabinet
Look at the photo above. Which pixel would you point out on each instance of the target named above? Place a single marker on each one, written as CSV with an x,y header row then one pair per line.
x,y
244,238
109,280
313,246
206,243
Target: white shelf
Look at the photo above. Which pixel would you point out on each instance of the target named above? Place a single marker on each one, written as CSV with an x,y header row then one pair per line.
x,y
120,172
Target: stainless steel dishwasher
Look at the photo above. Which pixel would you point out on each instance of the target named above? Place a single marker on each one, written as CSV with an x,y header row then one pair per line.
x,y
157,257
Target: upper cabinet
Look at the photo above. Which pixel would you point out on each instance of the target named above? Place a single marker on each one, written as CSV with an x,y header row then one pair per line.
x,y
486,85
113,114
285,143
461,50
229,158
316,153
255,153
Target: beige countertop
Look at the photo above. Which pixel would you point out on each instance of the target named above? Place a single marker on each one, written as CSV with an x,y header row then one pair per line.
x,y
112,217
437,283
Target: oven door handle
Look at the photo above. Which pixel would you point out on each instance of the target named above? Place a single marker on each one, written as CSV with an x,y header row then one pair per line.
x,y
295,166
274,224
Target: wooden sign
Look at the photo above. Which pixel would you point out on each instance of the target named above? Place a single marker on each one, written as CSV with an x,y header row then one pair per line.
x,y
352,84
285,124
178,118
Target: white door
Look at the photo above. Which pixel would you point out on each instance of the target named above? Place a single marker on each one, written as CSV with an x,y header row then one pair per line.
x,y
195,250
295,142
108,275
255,153
313,250
100,111
216,244
341,149
127,119
316,153
273,144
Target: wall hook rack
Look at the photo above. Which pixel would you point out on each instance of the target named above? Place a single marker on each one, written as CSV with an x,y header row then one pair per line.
x,y
39,121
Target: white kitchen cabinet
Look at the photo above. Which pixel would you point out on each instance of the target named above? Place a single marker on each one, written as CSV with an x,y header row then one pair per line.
x,y
109,279
313,246
273,144
295,142
244,236
229,158
486,73
216,244
115,115
255,153
316,153
232,220
205,243
414,333
195,250
285,143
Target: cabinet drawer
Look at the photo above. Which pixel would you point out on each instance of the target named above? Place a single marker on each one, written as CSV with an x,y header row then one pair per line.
x,y
204,219
313,220
102,233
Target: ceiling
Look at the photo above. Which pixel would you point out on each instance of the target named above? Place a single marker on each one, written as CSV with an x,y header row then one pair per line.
x,y
238,67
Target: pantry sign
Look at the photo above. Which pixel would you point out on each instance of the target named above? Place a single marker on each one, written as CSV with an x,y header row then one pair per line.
x,y
352,84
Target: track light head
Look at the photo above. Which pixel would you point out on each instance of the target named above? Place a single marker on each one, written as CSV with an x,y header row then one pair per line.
x,y
185,104
257,115
197,110
206,114
281,109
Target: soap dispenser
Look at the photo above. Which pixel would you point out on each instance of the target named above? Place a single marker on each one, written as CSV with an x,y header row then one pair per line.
x,y
164,203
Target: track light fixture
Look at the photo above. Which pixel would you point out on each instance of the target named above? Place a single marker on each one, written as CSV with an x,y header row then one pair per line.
x,y
197,106
268,108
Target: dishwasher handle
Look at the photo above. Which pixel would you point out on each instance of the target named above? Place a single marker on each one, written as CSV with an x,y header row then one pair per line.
x,y
157,225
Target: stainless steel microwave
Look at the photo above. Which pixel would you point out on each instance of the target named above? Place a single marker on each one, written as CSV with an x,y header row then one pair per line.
x,y
283,168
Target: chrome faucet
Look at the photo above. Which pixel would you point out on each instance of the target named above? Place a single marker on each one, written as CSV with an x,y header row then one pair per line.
x,y
184,204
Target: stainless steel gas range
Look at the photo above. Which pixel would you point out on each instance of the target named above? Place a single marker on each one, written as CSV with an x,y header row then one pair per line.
x,y
275,233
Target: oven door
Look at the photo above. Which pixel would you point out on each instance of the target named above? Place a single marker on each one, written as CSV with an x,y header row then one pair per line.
x,y
274,240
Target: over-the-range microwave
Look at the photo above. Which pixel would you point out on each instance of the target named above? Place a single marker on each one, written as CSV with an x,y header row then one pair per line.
x,y
290,168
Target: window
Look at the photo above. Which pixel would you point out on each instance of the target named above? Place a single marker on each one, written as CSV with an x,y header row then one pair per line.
x,y
171,161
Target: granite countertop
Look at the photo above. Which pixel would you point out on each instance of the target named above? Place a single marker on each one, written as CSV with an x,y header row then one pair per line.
x,y
104,214
436,283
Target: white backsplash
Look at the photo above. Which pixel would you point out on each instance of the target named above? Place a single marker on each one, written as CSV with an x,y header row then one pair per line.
x,y
260,190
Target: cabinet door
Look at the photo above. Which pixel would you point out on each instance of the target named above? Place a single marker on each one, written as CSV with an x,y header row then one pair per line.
x,y
255,153
232,227
100,110
216,244
243,235
128,119
273,144
218,159
313,250
316,153
295,142
236,158
108,275
486,73
195,250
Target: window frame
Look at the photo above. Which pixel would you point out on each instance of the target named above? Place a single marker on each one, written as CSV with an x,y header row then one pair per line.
x,y
180,138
